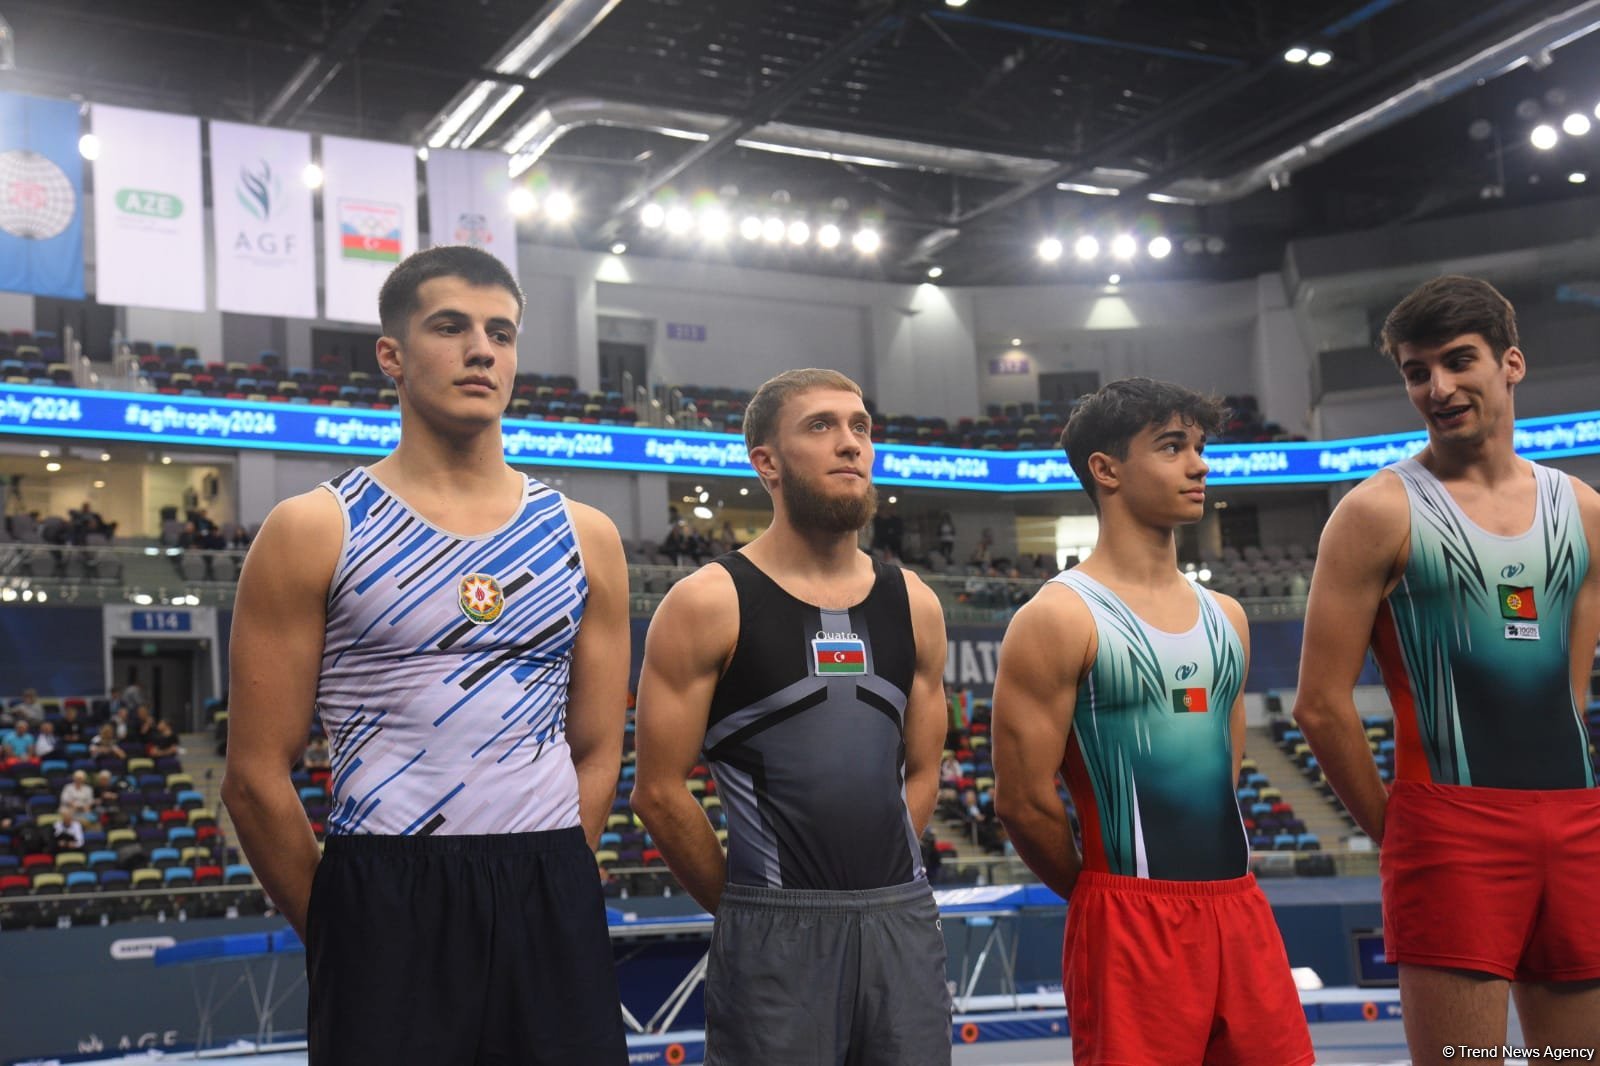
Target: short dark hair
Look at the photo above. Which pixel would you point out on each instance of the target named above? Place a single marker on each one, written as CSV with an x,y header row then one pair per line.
x,y
761,413
397,300
1447,307
1108,419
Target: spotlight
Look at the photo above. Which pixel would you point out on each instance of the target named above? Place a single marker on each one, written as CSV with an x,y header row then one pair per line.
x,y
1544,137
935,273
523,202
1159,248
828,235
422,154
703,513
1050,249
1577,124
99,484
559,207
53,467
105,457
955,3
1016,342
1115,279
744,492
679,221
715,224
1577,177
1597,110
651,216
44,453
867,241
312,176
166,460
799,232
1320,58
772,230
1086,247
894,499
89,147
1124,247
618,248
1296,55
750,228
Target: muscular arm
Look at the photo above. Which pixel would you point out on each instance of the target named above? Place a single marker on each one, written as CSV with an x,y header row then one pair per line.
x,y
1236,734
927,717
1359,554
597,694
275,657
1045,651
691,636
1586,608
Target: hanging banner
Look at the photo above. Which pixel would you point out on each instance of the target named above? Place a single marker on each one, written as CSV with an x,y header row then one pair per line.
x,y
469,202
41,197
369,221
149,220
264,242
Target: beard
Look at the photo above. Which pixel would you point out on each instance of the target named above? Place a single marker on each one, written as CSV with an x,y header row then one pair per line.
x,y
811,511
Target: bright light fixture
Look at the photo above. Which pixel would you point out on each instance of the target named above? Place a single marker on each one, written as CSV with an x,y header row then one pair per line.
x,y
1086,247
715,224
1577,177
1159,248
651,216
1544,137
312,176
523,202
89,147
1576,124
1124,247
1320,58
1050,249
773,229
799,232
618,248
679,221
750,228
935,273
1296,55
828,235
559,207
866,241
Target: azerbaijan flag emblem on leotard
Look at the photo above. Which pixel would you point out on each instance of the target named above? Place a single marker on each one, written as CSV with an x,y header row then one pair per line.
x,y
1518,603
1189,701
839,656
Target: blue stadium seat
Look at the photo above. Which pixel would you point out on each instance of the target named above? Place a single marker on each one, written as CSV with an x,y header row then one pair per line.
x,y
164,857
237,874
82,881
177,875
114,880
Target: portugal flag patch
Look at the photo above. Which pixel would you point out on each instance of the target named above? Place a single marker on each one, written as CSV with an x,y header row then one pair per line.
x,y
839,656
1517,602
1189,701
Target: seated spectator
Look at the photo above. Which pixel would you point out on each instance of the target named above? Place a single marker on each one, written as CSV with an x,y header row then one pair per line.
x,y
143,726
46,743
77,796
120,722
87,522
71,731
163,742
29,707
105,743
949,771
68,831
132,696
19,742
107,796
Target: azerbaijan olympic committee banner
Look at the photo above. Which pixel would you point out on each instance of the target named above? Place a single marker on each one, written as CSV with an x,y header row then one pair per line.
x,y
369,221
263,238
88,414
469,202
149,220
41,197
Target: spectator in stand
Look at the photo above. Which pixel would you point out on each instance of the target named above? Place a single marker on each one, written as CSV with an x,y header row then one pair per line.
x,y
105,743
87,522
120,723
46,743
68,831
132,696
163,741
107,796
947,537
71,731
982,553
77,796
19,742
29,707
143,726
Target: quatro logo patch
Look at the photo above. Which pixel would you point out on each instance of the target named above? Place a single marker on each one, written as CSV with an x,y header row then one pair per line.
x,y
481,599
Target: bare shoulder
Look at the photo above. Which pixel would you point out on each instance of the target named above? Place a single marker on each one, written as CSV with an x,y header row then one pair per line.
x,y
1055,613
592,524
919,592
1235,612
1376,510
308,526
703,597
1588,504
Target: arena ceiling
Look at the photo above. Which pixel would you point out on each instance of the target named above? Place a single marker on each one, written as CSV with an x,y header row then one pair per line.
x,y
965,134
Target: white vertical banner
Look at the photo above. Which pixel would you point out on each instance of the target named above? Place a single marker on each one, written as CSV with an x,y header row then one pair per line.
x,y
261,207
469,202
369,221
149,221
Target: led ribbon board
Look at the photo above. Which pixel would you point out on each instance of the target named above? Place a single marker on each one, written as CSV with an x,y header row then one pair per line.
x,y
188,421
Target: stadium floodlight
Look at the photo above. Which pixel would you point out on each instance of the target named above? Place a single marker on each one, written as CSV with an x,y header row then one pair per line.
x,y
312,176
828,235
773,229
935,273
89,147
1320,58
559,206
1296,55
715,225
1577,177
523,202
750,228
1086,247
1124,247
618,247
1576,124
1050,249
679,221
1159,248
866,241
799,232
1544,136
652,216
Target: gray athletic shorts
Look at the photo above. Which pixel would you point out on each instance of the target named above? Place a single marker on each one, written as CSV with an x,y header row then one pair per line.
x,y
800,978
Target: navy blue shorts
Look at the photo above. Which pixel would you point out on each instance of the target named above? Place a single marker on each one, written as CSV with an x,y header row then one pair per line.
x,y
461,951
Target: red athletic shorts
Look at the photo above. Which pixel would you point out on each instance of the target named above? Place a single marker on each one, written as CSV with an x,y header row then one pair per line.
x,y
1498,880
1171,972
